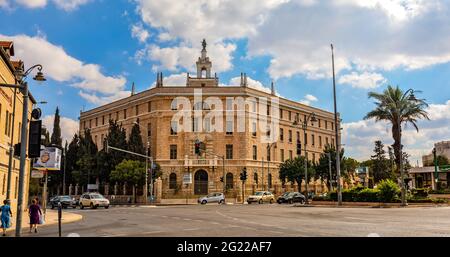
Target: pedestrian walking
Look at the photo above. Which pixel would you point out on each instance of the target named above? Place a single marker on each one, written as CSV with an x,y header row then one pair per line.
x,y
35,215
5,217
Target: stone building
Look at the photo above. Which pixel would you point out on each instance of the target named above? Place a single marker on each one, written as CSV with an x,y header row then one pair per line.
x,y
235,135
442,148
10,127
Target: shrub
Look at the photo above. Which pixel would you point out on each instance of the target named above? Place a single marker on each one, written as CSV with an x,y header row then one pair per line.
x,y
368,195
388,190
420,192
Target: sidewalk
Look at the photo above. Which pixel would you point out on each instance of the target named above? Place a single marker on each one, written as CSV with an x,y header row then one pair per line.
x,y
51,218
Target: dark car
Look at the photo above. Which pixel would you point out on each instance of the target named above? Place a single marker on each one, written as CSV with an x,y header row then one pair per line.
x,y
291,197
65,200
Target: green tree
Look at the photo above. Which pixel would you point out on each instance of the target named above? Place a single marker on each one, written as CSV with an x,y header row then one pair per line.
x,y
56,134
396,107
46,135
130,171
135,143
87,161
442,160
107,161
380,165
322,170
72,156
293,170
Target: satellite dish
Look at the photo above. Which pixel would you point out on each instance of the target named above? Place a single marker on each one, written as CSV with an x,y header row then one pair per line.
x,y
36,113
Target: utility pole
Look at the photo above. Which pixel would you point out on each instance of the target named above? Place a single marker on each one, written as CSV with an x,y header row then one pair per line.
x,y
44,192
337,127
64,174
329,167
436,176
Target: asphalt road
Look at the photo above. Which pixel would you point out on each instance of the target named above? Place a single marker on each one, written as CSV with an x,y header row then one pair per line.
x,y
214,220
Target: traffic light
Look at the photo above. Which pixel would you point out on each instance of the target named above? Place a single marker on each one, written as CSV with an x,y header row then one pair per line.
x,y
221,179
244,174
34,143
17,150
299,147
197,147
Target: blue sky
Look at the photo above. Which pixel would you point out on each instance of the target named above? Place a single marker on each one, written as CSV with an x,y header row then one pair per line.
x,y
93,50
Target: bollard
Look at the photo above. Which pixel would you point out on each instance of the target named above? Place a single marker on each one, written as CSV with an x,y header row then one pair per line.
x,y
59,218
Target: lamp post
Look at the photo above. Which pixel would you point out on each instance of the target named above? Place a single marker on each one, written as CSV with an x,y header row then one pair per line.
x,y
399,131
329,167
22,85
311,117
146,168
436,176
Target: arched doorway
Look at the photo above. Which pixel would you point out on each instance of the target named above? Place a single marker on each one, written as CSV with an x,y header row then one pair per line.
x,y
201,182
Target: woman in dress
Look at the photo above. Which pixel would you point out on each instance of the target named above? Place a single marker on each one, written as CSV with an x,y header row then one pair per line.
x,y
35,213
5,217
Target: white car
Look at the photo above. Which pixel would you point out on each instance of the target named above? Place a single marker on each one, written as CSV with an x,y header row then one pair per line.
x,y
93,200
212,198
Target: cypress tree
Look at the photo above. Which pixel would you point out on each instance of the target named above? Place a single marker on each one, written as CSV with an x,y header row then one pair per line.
x,y
56,134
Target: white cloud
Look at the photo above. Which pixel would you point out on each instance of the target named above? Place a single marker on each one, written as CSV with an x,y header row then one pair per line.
x,y
67,5
364,80
61,67
138,31
359,137
101,100
309,99
236,81
184,57
68,127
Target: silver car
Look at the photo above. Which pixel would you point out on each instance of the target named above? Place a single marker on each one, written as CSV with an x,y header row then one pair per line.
x,y
212,198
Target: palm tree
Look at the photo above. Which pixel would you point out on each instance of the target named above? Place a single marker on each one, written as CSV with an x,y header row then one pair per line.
x,y
398,107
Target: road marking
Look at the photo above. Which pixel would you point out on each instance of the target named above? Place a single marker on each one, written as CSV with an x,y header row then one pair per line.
x,y
191,229
215,223
153,232
187,219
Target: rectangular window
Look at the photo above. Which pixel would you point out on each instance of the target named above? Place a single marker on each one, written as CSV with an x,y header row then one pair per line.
x,y
149,130
268,132
173,152
124,114
332,142
254,107
229,128
282,155
229,152
290,154
90,123
297,117
320,141
254,129
326,124
281,134
195,124
289,114
255,152
320,123
313,140
149,106
137,110
327,142
268,110
96,122
332,126
281,113
268,154
298,137
290,136
103,120
173,128
7,121
306,138
117,116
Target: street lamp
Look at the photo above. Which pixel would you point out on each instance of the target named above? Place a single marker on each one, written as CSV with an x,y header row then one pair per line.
x,y
311,117
146,168
22,85
412,98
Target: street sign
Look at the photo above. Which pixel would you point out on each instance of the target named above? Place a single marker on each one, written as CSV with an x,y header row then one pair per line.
x,y
187,178
37,174
50,159
92,187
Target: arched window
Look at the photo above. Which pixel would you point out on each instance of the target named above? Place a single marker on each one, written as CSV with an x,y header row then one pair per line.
x,y
173,181
255,178
229,181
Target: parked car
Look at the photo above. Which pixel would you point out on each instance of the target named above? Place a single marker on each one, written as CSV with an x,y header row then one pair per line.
x,y
93,200
261,197
298,198
212,198
288,197
65,200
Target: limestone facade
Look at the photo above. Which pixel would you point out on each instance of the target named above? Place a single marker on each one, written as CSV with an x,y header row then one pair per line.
x,y
155,108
